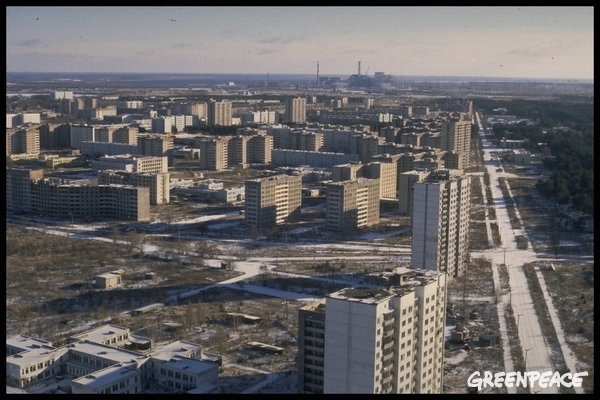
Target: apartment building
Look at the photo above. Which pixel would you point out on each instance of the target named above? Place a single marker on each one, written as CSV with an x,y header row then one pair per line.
x,y
157,183
129,163
214,152
318,159
18,188
440,222
375,340
126,135
23,141
55,136
99,149
347,172
406,184
456,136
352,204
156,146
162,124
219,113
273,200
295,110
386,173
82,133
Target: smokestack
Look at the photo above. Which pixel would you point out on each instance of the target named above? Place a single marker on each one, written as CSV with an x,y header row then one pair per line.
x,y
317,73
359,68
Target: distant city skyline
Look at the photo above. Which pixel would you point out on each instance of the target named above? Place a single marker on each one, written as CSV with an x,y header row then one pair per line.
x,y
501,42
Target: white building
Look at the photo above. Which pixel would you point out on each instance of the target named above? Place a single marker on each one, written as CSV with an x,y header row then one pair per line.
x,y
375,340
440,223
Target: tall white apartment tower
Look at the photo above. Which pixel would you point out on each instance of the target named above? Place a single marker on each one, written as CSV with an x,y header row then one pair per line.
x,y
295,110
440,223
376,340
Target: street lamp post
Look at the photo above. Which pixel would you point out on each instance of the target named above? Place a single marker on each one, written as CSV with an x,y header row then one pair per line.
x,y
518,318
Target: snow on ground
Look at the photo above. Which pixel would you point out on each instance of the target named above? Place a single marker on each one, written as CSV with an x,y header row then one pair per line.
x,y
223,225
379,236
456,358
301,230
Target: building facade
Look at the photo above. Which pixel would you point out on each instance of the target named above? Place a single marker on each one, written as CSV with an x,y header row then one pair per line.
x,y
456,136
375,340
295,110
440,223
273,200
352,204
219,113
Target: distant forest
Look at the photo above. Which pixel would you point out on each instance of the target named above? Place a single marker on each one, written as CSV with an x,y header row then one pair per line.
x,y
573,162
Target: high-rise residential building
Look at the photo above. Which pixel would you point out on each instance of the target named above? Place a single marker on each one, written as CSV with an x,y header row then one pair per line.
x,y
55,136
440,222
386,172
213,152
375,340
295,110
219,113
156,145
352,204
158,184
273,200
82,133
456,136
406,184
346,172
126,135
163,124
23,141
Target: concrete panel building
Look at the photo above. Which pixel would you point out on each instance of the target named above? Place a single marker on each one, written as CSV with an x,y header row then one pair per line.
x,y
156,146
157,183
214,152
352,204
440,223
23,141
219,113
406,183
273,200
456,136
375,340
82,133
295,110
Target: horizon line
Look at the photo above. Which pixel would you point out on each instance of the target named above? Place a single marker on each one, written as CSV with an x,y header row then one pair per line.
x,y
396,76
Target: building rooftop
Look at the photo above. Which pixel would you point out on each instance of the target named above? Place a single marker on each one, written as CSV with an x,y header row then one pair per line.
x,y
113,354
108,375
174,349
24,342
101,333
189,365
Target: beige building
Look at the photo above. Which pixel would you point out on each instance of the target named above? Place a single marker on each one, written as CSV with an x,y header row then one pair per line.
x,y
214,152
352,204
28,191
273,200
347,172
386,173
158,184
440,222
156,146
456,136
128,163
108,280
23,141
375,340
295,110
219,113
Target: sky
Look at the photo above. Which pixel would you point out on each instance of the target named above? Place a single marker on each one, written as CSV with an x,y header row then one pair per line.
x,y
505,42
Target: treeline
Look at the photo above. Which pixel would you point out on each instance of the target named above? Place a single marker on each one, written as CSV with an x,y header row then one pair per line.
x,y
572,179
571,114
